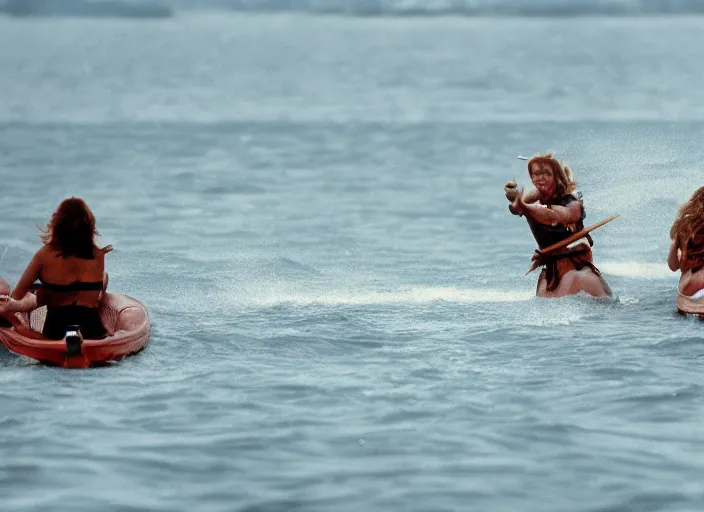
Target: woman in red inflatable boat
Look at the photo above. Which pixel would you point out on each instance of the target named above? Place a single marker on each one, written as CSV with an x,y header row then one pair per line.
x,y
71,270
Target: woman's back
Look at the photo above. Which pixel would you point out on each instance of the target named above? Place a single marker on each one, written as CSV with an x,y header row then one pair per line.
x,y
71,280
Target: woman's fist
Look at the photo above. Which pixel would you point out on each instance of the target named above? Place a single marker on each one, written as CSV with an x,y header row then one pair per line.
x,y
511,190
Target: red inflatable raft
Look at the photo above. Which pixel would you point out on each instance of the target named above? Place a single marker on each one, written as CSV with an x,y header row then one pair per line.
x,y
126,320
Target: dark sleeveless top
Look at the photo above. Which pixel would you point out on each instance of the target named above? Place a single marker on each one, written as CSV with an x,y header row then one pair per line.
x,y
546,235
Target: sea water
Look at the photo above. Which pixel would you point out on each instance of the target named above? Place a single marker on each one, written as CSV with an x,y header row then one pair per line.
x,y
312,208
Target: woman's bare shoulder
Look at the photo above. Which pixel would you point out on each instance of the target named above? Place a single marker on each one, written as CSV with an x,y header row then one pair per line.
x,y
45,252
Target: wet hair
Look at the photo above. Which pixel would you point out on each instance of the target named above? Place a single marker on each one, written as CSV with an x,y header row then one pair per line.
x,y
689,223
71,230
564,182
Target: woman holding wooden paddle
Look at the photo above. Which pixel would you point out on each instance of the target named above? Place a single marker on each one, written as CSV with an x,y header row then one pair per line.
x,y
555,215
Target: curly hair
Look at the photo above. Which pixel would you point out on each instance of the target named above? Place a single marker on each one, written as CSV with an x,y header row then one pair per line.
x,y
71,230
688,227
564,182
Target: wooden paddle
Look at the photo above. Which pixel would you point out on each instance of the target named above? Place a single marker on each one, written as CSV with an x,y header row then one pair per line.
x,y
567,241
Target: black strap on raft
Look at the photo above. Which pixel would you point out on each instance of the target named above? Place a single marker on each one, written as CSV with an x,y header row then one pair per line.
x,y
74,342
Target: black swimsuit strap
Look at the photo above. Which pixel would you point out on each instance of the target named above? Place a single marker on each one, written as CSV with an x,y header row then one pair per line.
x,y
76,286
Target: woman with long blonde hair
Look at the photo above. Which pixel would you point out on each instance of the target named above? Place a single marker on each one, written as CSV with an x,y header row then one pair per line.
x,y
687,251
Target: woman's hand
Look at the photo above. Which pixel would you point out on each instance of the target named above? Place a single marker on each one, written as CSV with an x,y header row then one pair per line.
x,y
673,257
511,190
518,207
7,305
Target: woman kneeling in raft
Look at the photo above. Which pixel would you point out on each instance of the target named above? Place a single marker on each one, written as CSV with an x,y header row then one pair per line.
x,y
554,211
71,269
687,254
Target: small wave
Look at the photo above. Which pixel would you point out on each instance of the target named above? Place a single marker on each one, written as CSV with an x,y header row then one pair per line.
x,y
684,393
677,341
427,8
84,8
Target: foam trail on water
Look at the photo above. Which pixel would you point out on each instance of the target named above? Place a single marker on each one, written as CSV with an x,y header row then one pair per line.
x,y
411,296
638,270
